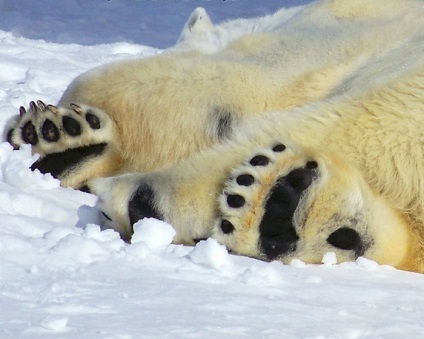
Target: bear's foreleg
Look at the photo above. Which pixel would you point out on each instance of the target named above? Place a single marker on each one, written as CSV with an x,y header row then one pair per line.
x,y
74,144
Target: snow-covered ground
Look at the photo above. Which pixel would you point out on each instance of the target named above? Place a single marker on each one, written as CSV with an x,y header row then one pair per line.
x,y
60,276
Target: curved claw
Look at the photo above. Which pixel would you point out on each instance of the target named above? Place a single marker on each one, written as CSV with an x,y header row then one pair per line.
x,y
41,105
22,111
77,109
53,109
33,107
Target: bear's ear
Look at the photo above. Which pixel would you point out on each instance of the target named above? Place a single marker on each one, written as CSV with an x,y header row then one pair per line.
x,y
197,23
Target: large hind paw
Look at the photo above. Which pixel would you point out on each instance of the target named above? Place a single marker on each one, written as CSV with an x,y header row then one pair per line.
x,y
74,144
259,202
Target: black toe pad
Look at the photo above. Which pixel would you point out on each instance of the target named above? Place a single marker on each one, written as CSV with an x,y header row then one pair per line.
x,y
277,232
141,205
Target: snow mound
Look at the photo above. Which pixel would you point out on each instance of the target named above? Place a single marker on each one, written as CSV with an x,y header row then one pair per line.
x,y
210,253
62,276
150,236
16,172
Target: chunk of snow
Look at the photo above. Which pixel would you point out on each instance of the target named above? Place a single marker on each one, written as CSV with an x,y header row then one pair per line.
x,y
54,323
297,263
157,235
368,264
210,253
329,259
16,172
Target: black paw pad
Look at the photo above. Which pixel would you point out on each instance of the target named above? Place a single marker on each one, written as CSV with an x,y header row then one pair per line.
x,y
245,180
277,232
71,126
59,163
300,178
311,165
346,238
227,227
279,148
29,135
93,120
235,201
259,160
141,205
9,139
49,131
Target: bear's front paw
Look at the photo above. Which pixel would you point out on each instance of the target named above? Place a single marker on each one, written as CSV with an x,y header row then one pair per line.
x,y
125,199
70,141
259,202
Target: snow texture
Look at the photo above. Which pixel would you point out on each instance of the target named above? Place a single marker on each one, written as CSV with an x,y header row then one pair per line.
x,y
61,276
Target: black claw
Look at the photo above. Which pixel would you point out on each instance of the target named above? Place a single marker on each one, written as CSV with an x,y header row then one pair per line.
x,y
53,109
77,109
33,106
106,216
41,105
22,111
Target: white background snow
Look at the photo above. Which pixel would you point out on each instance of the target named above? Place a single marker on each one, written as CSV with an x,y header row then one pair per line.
x,y
60,276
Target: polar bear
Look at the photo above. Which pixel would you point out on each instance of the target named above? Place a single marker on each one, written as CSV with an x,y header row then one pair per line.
x,y
297,134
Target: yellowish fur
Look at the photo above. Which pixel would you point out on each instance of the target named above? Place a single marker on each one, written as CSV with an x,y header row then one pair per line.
x,y
162,106
349,138
342,84
363,112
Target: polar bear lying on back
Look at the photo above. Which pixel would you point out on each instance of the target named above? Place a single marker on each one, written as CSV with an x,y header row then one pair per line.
x,y
283,137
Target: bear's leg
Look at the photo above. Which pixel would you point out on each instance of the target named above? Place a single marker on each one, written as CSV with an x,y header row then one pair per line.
x,y
264,199
74,144
186,195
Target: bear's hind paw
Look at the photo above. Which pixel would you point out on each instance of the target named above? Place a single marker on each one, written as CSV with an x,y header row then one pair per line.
x,y
258,203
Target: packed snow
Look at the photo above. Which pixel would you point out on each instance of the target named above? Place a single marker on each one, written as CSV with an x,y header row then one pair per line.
x,y
62,276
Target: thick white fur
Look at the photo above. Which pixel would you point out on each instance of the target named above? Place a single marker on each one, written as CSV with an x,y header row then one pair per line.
x,y
164,106
355,66
344,80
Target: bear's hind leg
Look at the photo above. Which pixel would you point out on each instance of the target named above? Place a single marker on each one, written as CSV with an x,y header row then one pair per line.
x,y
187,194
75,144
272,200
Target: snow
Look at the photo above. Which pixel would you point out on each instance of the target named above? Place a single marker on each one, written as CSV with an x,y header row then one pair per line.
x,y
155,234
329,259
61,276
